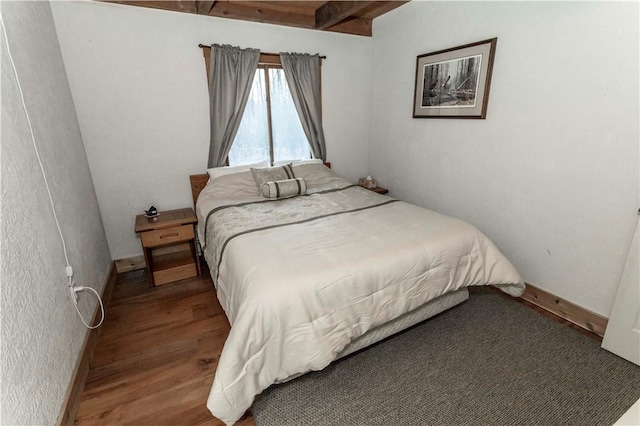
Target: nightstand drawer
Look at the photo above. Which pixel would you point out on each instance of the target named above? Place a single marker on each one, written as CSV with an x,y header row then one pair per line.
x,y
167,235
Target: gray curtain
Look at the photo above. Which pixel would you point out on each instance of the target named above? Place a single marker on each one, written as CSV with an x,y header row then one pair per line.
x,y
303,77
231,74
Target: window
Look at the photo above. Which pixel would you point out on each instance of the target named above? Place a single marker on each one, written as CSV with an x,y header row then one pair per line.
x,y
270,128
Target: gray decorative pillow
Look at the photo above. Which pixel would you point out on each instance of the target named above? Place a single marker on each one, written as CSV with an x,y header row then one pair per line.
x,y
284,188
271,174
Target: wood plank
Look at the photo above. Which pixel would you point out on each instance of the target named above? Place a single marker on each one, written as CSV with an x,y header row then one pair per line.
x,y
204,7
165,219
165,236
279,16
334,12
355,26
195,307
130,264
284,6
187,6
567,310
378,8
156,355
74,393
175,273
301,14
127,345
135,263
198,182
267,15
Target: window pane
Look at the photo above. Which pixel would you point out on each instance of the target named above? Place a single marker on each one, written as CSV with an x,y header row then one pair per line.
x,y
252,141
289,140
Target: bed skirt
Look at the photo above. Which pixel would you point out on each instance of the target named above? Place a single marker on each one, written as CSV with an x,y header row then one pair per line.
x,y
428,310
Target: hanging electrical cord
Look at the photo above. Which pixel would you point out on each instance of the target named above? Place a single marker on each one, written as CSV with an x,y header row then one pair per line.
x,y
68,269
74,297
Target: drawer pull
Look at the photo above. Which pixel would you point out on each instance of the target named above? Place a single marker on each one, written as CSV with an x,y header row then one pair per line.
x,y
175,234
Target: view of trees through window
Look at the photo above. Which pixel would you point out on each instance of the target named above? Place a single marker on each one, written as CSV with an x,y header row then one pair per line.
x,y
285,138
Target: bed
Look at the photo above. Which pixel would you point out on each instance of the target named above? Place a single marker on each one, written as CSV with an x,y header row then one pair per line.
x,y
308,279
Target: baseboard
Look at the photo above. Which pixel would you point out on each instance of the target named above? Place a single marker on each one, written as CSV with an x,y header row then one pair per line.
x,y
72,400
130,264
564,309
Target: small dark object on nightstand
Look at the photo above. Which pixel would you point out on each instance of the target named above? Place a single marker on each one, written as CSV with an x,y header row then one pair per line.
x,y
152,212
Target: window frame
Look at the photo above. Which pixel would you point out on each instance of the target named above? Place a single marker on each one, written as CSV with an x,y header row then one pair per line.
x,y
267,86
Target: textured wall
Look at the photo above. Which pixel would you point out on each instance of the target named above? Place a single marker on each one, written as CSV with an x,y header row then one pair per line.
x,y
41,334
552,174
138,80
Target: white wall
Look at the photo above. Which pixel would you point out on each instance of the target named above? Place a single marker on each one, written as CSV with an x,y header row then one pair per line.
x,y
41,334
139,84
552,174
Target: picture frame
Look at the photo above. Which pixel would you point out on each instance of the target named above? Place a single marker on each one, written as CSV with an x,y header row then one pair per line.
x,y
455,82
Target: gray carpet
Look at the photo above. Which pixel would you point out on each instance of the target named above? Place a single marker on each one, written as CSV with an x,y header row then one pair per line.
x,y
489,361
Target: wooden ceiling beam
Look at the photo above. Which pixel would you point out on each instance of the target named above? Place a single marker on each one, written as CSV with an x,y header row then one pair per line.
x,y
350,17
380,8
355,26
334,12
282,15
204,7
175,5
246,12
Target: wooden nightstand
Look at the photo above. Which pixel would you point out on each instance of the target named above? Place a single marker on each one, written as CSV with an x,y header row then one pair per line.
x,y
378,189
169,245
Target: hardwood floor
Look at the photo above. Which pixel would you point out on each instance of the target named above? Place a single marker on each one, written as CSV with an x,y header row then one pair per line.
x,y
157,354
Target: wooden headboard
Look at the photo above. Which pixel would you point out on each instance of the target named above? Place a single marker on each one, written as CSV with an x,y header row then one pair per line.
x,y
198,182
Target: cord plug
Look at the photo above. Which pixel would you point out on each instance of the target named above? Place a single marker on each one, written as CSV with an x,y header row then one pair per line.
x,y
74,292
69,271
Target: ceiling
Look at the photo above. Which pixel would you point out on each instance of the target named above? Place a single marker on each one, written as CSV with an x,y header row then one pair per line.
x,y
350,17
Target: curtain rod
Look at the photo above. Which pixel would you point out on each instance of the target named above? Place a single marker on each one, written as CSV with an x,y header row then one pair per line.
x,y
264,53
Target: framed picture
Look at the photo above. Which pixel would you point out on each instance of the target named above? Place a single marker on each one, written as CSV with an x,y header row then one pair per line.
x,y
454,83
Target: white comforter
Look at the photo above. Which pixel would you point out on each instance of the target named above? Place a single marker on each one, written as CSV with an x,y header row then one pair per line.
x,y
296,295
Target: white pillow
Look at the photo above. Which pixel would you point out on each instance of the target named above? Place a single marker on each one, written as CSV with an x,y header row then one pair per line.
x,y
298,162
227,170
